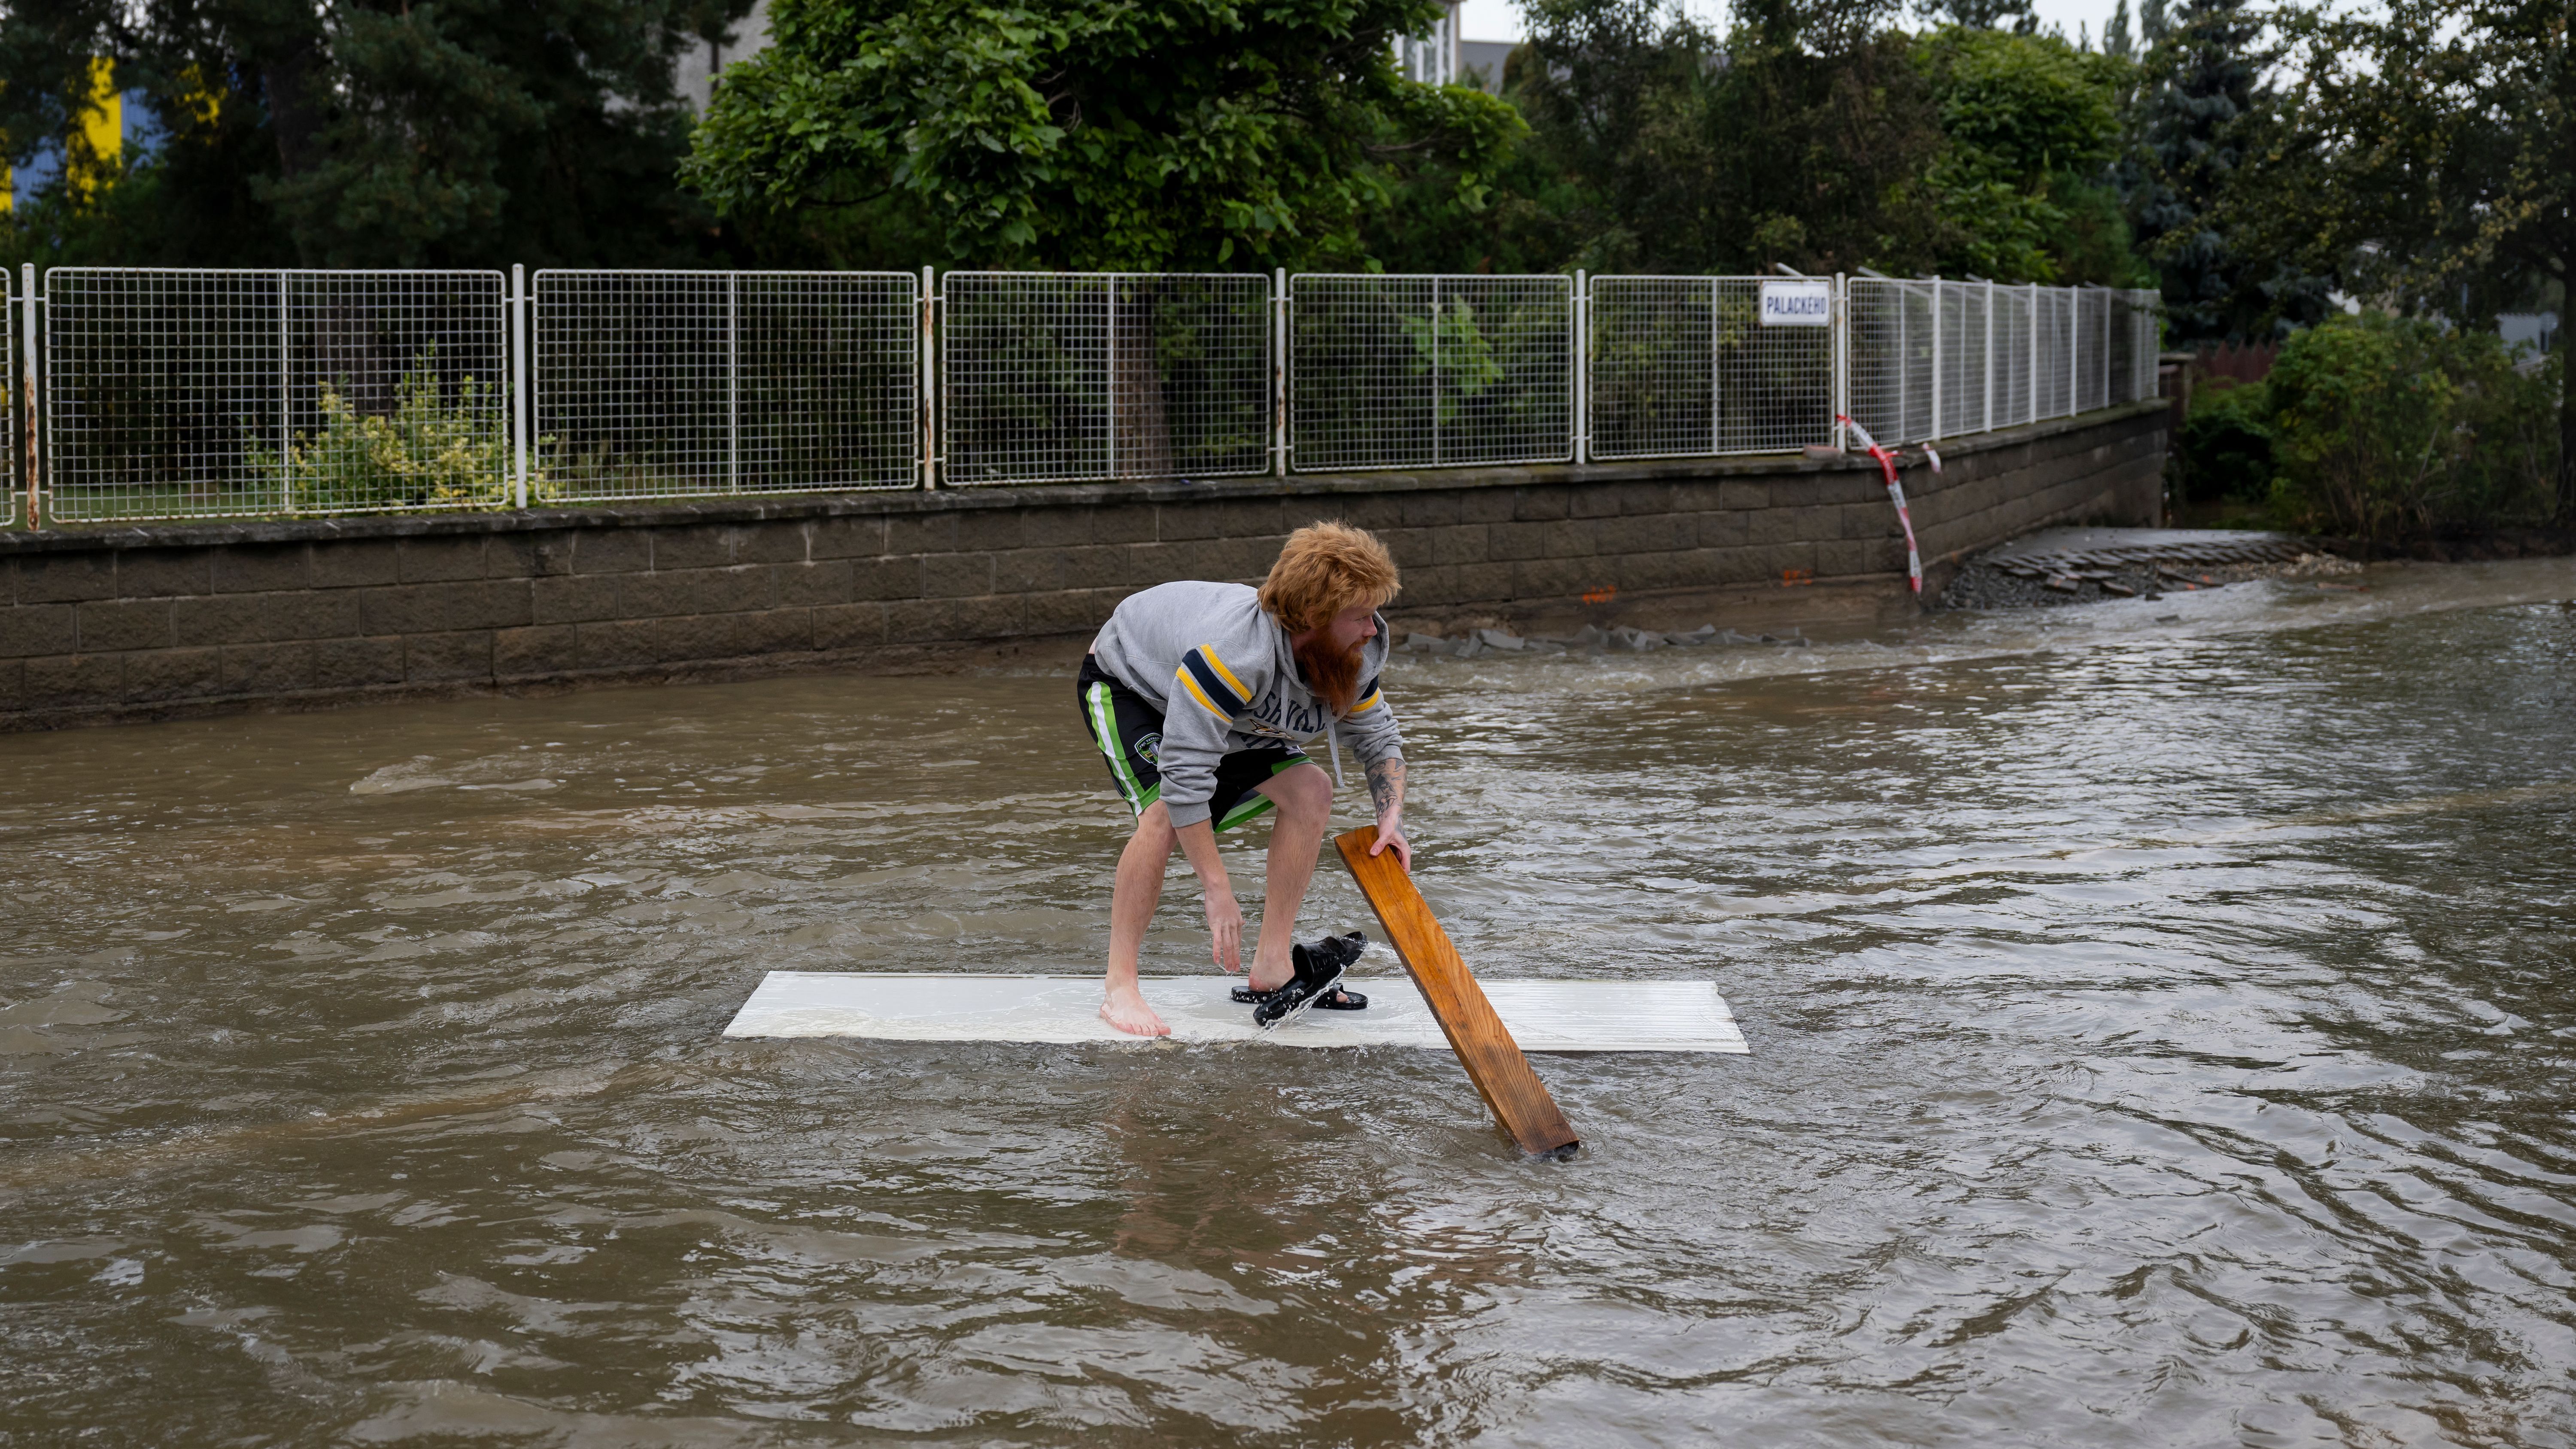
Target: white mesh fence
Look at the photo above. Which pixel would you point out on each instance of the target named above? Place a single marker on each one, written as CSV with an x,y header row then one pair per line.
x,y
2133,345
200,394
2093,348
1934,358
2012,306
1057,376
1430,371
1965,350
2052,357
1683,367
1891,359
203,394
678,384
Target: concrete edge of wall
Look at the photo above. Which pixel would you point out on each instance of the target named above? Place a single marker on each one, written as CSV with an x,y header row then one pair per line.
x,y
786,507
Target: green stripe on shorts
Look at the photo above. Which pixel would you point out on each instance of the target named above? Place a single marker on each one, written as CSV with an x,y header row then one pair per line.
x,y
1104,733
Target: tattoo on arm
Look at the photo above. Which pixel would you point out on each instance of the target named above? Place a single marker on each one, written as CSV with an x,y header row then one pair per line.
x,y
1386,785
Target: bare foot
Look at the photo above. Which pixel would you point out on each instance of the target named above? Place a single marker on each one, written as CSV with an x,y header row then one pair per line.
x,y
1271,978
1124,1008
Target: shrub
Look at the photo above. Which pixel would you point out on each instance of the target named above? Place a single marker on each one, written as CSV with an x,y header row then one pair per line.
x,y
2383,426
431,452
2224,449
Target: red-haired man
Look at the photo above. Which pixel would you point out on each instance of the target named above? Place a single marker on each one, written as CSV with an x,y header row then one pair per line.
x,y
1203,698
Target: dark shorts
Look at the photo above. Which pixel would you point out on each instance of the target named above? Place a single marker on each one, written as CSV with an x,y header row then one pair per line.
x,y
1128,728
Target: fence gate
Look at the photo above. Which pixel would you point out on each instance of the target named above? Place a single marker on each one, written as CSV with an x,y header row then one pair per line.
x,y
674,384
2012,356
1683,367
1049,377
211,394
1430,371
1892,357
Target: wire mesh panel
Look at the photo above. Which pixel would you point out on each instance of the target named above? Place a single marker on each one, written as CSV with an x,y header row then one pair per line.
x,y
2151,341
1396,372
827,381
631,379
673,384
2011,355
2093,340
2133,345
206,394
398,392
1058,376
1963,356
1891,358
2053,362
158,387
2120,364
1682,366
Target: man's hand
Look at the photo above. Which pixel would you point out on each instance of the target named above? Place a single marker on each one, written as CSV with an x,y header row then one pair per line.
x,y
1386,794
1224,917
1390,836
1225,928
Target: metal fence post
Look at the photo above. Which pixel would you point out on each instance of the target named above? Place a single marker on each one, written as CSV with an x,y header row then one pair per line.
x,y
929,369
1109,304
1904,365
1435,372
1279,371
2074,351
1579,315
27,399
2032,411
285,404
733,382
1989,346
519,364
1935,431
1716,391
1842,360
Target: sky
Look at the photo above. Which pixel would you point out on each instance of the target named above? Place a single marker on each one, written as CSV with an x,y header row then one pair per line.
x,y
1501,19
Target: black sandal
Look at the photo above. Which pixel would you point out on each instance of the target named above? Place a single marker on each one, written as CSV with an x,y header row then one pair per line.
x,y
1319,971
1347,946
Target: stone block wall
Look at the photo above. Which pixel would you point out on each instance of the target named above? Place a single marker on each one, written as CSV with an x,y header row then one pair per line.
x,y
102,624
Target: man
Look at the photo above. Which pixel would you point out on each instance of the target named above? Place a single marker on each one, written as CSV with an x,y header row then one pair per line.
x,y
1203,697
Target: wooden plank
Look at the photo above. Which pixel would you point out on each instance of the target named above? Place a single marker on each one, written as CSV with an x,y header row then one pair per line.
x,y
1484,1046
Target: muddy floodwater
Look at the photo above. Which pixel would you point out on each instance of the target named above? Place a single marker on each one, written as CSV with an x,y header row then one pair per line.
x,y
2162,1017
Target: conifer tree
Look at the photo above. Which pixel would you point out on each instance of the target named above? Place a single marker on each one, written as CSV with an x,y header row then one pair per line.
x,y
2202,82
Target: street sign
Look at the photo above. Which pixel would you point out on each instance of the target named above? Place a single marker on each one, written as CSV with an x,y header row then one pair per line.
x,y
1797,302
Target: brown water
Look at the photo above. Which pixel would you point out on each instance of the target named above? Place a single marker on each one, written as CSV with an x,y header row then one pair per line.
x,y
2161,1035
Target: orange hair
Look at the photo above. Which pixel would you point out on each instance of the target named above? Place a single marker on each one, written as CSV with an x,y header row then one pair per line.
x,y
1323,569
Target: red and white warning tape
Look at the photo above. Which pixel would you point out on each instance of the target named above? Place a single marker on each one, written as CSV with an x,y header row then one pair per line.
x,y
1896,493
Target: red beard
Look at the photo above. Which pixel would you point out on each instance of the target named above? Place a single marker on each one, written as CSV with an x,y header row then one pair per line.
x,y
1334,677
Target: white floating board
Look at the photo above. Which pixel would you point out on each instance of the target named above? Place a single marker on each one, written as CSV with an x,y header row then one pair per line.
x,y
1544,1016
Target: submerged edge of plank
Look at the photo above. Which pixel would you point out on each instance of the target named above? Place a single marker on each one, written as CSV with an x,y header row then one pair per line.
x,y
1518,1099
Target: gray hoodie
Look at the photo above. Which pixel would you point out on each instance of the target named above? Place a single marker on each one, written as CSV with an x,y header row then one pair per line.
x,y
1223,672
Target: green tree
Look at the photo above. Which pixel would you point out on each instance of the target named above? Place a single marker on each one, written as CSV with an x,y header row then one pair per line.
x,y
2201,95
2423,156
1801,138
1091,133
373,132
2033,124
